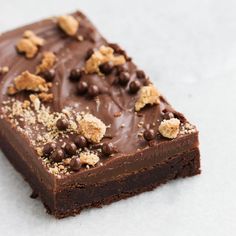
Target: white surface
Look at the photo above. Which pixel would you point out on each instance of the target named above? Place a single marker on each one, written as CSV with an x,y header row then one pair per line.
x,y
188,47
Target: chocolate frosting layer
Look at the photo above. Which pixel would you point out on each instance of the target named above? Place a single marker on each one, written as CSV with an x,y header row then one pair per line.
x,y
123,130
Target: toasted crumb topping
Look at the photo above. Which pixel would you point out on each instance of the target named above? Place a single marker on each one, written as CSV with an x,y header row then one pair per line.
x,y
170,128
89,158
46,97
187,128
30,82
68,24
147,95
29,44
26,104
36,40
26,46
4,70
92,128
11,90
103,55
36,102
48,61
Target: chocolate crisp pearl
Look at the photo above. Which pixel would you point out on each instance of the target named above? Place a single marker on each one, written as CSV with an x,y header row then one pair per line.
x,y
140,74
124,78
62,124
75,74
107,148
57,155
168,115
115,47
120,68
89,53
149,134
93,90
134,86
70,149
82,87
48,148
48,75
75,164
80,141
106,68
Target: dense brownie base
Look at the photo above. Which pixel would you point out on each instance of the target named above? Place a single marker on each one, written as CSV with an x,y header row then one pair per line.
x,y
72,201
183,165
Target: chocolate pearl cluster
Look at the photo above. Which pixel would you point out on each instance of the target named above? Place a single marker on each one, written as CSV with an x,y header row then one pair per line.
x,y
121,71
57,154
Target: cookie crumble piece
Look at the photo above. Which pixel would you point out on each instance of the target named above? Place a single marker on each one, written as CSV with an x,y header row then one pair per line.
x,y
169,128
46,97
92,128
68,24
147,95
89,158
101,56
29,44
48,61
30,82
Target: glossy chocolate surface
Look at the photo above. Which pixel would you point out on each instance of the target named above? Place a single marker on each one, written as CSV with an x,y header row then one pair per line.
x,y
132,151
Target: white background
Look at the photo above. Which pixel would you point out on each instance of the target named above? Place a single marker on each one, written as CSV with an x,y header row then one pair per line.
x,y
188,47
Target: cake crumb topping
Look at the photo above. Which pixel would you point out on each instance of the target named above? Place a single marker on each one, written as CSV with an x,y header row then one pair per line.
x,y
101,56
46,97
92,128
30,82
29,44
147,95
11,90
36,40
36,102
48,61
68,24
169,128
88,158
4,70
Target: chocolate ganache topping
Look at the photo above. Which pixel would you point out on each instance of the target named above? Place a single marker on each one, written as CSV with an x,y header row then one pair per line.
x,y
79,100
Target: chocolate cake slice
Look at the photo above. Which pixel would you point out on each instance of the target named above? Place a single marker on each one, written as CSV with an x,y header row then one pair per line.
x,y
81,123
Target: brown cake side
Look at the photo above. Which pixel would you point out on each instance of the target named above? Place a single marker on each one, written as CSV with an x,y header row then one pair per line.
x,y
81,122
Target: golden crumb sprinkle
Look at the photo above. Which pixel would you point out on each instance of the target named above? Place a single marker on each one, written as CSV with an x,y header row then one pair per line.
x,y
26,46
68,24
89,158
169,128
48,61
11,90
36,40
46,97
29,44
35,101
147,95
92,128
4,70
103,55
30,82
26,104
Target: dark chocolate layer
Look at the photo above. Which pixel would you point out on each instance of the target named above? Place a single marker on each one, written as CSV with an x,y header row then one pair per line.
x,y
123,131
